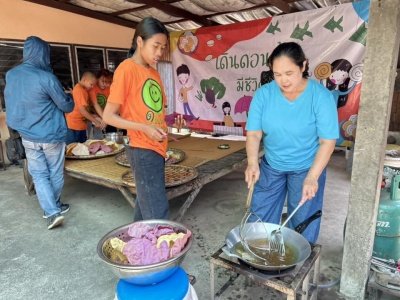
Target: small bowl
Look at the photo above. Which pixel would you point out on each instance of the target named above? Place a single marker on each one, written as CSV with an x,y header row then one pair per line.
x,y
144,274
183,131
116,137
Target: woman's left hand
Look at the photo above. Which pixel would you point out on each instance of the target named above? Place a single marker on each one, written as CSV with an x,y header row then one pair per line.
x,y
310,188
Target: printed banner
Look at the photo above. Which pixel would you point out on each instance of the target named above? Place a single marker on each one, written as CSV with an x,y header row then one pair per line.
x,y
217,69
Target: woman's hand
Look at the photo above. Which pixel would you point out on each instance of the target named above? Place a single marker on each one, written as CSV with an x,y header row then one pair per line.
x,y
155,133
252,174
310,188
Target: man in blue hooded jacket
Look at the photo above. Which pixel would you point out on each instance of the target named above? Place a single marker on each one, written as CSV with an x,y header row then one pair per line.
x,y
36,103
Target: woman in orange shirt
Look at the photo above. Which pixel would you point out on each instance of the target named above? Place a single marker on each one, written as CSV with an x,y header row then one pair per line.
x,y
136,103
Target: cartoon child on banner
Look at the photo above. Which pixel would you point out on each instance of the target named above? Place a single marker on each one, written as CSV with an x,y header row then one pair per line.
x,y
183,74
339,76
228,121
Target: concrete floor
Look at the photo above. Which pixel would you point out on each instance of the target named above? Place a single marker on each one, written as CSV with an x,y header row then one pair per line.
x,y
37,263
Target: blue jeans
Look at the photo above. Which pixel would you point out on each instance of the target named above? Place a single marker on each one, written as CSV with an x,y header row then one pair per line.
x,y
270,193
76,136
46,166
149,169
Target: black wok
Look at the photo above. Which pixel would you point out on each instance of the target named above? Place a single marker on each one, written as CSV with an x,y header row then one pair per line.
x,y
293,240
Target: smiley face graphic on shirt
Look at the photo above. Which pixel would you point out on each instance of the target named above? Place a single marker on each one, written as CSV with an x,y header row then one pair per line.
x,y
101,100
152,95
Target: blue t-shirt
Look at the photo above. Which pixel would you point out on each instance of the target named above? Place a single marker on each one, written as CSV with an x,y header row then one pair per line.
x,y
292,129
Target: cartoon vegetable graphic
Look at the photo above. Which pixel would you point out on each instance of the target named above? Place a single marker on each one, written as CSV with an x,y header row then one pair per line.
x,y
212,89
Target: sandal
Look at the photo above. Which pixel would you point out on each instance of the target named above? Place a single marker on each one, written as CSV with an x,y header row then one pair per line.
x,y
192,279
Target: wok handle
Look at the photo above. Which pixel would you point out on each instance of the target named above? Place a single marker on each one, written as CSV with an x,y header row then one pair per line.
x,y
303,225
228,252
250,195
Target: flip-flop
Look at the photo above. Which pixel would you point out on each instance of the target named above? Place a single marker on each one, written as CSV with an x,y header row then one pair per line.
x,y
192,279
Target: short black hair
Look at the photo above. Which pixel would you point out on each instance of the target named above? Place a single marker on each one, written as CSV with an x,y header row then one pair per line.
x,y
294,52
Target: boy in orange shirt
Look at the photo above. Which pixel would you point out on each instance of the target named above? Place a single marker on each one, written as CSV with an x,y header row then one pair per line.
x,y
101,90
98,97
76,120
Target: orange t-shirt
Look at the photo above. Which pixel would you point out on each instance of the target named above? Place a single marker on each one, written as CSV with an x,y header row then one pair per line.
x,y
99,95
75,120
141,95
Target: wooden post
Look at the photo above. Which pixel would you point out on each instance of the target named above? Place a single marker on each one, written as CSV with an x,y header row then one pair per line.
x,y
372,126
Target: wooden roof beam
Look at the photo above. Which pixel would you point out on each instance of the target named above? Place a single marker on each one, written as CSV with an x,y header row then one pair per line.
x,y
280,4
231,12
85,12
130,10
243,10
177,12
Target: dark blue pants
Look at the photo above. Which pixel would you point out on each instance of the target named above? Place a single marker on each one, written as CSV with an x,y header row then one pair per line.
x,y
76,136
270,193
149,169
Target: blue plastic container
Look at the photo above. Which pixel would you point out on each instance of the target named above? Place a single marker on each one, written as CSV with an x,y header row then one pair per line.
x,y
174,287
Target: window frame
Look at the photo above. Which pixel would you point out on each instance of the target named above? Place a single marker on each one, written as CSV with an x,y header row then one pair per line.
x,y
76,47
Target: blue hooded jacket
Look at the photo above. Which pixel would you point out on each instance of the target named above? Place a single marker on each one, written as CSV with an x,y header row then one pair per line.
x,y
35,100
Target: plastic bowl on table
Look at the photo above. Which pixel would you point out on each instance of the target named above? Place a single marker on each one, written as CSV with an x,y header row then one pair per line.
x,y
143,274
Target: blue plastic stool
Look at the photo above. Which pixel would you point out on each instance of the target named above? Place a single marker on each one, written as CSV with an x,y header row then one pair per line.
x,y
174,287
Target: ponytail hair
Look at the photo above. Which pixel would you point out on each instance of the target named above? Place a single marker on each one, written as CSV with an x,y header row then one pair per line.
x,y
146,29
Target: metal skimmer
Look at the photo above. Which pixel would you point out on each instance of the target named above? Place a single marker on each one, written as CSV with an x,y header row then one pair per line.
x,y
276,242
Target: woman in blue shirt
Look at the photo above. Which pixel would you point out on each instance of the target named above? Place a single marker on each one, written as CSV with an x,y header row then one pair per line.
x,y
296,119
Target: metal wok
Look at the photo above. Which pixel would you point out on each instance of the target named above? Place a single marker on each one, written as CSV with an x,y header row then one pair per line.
x,y
294,240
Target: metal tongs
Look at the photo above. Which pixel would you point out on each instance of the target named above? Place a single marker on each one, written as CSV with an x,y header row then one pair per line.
x,y
247,213
244,228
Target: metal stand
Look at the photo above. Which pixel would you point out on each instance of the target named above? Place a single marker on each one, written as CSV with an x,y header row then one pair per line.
x,y
293,284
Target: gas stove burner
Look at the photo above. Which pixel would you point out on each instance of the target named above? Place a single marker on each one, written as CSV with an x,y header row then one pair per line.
x,y
289,281
277,273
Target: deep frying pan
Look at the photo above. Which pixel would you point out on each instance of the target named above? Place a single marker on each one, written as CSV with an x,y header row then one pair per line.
x,y
296,241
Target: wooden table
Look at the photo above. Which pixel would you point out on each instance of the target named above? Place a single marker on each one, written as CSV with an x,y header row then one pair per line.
x,y
105,172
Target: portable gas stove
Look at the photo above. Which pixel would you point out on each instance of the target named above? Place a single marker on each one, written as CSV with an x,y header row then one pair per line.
x,y
288,281
385,277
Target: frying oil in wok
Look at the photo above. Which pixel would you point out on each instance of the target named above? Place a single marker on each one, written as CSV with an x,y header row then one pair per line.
x,y
274,259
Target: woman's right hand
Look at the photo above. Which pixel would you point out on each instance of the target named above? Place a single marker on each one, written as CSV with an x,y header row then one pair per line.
x,y
252,174
155,133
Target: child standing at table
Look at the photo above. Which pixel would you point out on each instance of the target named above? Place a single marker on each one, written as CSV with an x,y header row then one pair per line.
x,y
76,120
137,93
98,97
